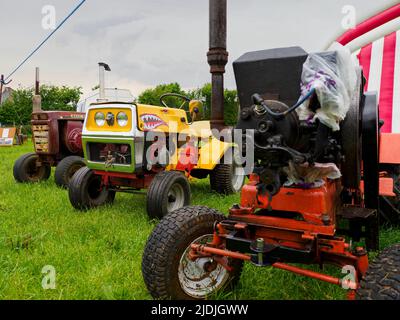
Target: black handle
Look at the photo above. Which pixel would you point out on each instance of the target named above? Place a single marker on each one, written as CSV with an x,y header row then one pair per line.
x,y
257,99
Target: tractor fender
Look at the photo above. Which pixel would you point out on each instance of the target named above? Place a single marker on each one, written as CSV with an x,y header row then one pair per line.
x,y
211,154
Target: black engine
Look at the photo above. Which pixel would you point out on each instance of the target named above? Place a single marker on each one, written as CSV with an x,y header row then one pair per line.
x,y
268,85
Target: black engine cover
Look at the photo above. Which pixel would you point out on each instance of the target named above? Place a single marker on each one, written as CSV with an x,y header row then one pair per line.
x,y
275,74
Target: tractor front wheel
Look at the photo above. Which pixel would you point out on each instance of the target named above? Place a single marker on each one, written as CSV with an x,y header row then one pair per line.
x,y
168,271
86,190
169,191
382,280
66,170
26,169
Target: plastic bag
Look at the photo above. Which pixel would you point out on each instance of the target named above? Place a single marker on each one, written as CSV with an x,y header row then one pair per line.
x,y
333,74
310,176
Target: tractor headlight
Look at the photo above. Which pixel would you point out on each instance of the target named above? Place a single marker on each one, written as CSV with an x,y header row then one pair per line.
x,y
100,119
122,119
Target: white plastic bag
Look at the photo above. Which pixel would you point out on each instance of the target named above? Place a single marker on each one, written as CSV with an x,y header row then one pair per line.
x,y
312,176
334,77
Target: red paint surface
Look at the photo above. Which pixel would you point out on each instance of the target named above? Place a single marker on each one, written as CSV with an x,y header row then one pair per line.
x,y
387,82
370,24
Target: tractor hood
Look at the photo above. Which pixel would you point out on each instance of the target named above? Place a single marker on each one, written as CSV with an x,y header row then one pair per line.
x,y
111,119
131,120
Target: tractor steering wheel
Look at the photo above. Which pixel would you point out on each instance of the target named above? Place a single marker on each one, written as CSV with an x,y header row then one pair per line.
x,y
175,95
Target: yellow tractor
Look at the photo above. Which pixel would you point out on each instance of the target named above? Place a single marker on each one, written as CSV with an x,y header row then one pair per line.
x,y
129,147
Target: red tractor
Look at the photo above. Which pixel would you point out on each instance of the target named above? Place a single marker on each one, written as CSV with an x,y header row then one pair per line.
x,y
57,137
57,140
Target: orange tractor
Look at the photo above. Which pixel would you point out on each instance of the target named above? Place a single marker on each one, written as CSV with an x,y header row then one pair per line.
x,y
196,251
313,196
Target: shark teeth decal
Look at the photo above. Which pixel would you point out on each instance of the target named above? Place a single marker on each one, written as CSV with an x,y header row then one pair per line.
x,y
152,121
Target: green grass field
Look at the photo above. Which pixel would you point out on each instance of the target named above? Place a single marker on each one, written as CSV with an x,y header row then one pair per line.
x,y
97,255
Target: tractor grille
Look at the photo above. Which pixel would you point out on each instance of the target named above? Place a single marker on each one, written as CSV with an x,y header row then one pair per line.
x,y
41,137
110,153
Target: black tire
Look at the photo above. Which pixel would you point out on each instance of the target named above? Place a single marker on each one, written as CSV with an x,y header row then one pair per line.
x,y
84,191
160,195
66,169
167,244
382,280
221,179
26,171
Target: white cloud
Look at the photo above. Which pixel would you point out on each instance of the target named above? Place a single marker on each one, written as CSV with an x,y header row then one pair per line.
x,y
157,41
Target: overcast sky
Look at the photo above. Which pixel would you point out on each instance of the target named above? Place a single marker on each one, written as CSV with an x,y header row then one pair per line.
x,y
148,42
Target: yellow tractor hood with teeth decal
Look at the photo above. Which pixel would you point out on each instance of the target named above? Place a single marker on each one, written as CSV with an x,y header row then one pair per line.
x,y
159,119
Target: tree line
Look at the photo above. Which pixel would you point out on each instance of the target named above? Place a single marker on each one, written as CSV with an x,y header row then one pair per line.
x,y
17,110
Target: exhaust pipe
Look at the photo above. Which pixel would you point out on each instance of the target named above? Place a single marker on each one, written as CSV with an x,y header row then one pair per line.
x,y
1,88
103,67
37,99
217,59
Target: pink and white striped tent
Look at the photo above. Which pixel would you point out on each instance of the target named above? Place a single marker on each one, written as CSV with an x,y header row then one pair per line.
x,y
376,42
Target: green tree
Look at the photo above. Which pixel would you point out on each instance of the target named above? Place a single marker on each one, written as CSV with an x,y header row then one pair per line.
x,y
15,111
152,96
60,98
18,109
231,103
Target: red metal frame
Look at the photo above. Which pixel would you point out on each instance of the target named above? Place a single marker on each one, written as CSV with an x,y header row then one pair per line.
x,y
314,227
370,24
389,151
131,180
188,158
315,205
386,186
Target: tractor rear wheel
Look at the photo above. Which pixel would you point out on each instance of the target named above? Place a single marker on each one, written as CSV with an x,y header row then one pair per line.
x,y
26,170
66,169
382,280
227,178
167,270
169,191
86,191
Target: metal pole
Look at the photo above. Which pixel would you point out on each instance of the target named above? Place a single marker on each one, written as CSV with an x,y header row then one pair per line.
x,y
37,82
1,87
37,99
217,59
